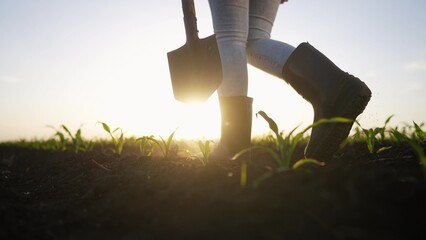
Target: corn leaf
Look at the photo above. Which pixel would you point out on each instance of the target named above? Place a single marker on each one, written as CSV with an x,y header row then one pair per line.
x,y
67,131
106,127
272,124
266,149
419,132
382,149
307,161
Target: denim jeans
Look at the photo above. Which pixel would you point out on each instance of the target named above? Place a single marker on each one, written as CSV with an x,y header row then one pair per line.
x,y
243,31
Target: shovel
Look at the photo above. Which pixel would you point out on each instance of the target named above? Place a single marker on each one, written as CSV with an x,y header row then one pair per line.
x,y
195,68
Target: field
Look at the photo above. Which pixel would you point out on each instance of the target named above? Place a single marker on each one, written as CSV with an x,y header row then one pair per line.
x,y
154,188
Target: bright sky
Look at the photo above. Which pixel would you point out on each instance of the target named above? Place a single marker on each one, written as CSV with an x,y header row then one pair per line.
x,y
83,61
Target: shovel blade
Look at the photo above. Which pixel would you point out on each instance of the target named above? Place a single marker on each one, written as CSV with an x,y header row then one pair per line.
x,y
195,70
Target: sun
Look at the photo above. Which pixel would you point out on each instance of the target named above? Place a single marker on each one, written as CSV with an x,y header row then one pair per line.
x,y
198,120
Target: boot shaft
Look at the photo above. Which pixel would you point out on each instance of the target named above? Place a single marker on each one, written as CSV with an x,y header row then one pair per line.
x,y
332,93
236,122
313,75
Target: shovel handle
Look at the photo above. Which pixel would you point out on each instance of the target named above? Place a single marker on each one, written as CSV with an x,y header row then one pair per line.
x,y
190,20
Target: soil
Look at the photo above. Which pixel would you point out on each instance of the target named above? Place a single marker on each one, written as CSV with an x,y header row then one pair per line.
x,y
64,195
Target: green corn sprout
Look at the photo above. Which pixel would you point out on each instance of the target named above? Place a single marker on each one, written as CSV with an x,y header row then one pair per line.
x,y
358,134
421,135
205,149
146,147
383,129
418,150
79,144
118,140
163,144
371,136
60,144
284,146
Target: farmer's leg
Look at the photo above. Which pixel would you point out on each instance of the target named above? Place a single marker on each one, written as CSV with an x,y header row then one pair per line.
x,y
230,21
263,52
331,91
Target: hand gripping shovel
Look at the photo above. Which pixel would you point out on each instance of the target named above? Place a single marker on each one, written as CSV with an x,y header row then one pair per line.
x,y
195,68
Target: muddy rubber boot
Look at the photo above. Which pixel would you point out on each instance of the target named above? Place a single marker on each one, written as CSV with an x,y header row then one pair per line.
x,y
236,123
332,93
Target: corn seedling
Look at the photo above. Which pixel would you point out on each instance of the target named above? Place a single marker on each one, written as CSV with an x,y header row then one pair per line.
x,y
419,151
205,149
398,135
371,136
163,144
383,129
421,135
415,146
358,135
284,146
79,144
146,148
117,137
60,144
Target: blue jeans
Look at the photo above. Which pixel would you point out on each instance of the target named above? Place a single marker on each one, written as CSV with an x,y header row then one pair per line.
x,y
243,31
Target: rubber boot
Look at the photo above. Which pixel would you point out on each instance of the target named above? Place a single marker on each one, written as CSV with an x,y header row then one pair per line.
x,y
332,93
236,123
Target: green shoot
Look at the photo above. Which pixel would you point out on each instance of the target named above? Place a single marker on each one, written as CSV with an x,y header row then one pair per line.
x,y
243,178
146,148
307,161
78,143
163,144
421,135
418,150
117,139
383,129
61,144
358,134
77,140
284,146
371,136
205,149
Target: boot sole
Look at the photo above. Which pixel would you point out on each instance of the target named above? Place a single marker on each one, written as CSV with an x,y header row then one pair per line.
x,y
335,133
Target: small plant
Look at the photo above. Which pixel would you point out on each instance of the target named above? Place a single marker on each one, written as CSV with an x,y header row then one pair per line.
x,y
117,139
283,146
421,135
205,149
383,129
78,143
371,136
415,146
60,144
163,144
357,136
146,147
419,151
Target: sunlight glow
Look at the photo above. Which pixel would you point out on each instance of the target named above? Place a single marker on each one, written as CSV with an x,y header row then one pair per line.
x,y
78,64
199,120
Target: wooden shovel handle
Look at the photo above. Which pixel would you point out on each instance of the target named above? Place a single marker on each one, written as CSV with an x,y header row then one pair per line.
x,y
190,20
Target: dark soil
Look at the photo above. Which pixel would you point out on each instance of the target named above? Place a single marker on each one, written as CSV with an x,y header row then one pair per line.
x,y
63,195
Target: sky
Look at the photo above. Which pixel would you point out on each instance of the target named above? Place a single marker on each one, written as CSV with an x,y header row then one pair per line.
x,y
83,61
